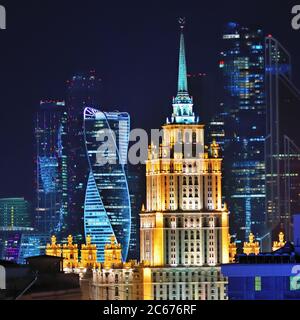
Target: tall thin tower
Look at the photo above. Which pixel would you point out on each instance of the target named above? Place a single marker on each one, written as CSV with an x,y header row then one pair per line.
x,y
184,227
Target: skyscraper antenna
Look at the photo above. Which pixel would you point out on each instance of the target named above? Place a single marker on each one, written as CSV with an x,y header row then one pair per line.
x,y
181,21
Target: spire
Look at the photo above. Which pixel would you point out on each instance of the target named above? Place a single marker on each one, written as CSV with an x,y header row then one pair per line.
x,y
182,74
183,103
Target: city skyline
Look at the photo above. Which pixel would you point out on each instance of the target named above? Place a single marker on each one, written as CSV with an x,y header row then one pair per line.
x,y
48,83
206,207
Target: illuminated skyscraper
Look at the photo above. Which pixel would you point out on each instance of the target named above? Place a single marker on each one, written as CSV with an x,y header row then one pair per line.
x,y
15,220
282,142
107,210
51,167
243,66
83,91
184,227
14,213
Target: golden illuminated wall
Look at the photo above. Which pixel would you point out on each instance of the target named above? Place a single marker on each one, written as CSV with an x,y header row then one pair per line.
x,y
232,250
251,247
184,215
53,249
88,254
70,254
112,254
279,244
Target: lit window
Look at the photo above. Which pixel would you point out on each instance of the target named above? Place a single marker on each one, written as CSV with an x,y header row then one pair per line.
x,y
257,283
294,283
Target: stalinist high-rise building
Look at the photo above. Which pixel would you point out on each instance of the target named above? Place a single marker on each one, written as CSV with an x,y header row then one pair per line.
x,y
184,226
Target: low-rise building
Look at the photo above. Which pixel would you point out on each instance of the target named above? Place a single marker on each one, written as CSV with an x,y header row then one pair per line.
x,y
267,276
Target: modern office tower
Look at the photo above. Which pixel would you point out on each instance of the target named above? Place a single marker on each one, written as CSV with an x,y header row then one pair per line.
x,y
14,214
31,244
282,141
243,68
15,220
184,227
83,91
107,210
51,167
136,184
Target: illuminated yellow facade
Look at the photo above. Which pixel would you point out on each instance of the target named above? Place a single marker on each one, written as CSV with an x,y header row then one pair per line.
x,y
279,244
53,249
70,253
88,254
114,279
184,226
184,200
251,247
112,254
232,250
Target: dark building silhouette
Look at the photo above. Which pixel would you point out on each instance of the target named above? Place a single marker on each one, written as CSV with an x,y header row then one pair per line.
x,y
136,184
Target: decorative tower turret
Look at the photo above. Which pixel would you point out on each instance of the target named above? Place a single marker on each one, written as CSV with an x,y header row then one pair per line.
x,y
70,254
53,249
279,244
251,247
88,254
112,254
232,250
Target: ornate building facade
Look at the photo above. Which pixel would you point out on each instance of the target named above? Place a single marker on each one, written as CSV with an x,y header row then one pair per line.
x,y
184,227
74,259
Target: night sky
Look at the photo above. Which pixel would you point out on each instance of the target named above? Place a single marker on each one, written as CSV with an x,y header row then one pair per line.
x,y
132,46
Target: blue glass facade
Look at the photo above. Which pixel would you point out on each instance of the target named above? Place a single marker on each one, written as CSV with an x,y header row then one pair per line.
x,y
107,210
14,214
84,90
243,67
31,245
51,170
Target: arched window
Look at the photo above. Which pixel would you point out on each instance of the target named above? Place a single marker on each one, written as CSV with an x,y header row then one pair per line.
x,y
194,137
187,137
179,136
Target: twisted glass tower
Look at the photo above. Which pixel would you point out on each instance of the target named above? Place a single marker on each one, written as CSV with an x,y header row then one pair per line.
x,y
107,210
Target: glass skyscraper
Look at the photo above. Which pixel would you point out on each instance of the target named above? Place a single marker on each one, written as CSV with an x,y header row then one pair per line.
x,y
107,209
243,69
51,167
14,214
282,142
15,220
84,90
